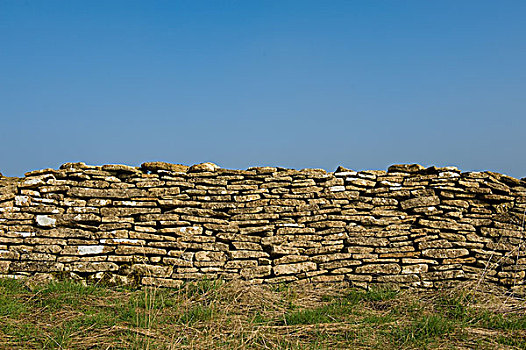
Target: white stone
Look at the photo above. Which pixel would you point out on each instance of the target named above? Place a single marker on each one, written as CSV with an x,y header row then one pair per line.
x,y
90,249
25,234
34,181
45,221
21,200
448,174
346,173
337,188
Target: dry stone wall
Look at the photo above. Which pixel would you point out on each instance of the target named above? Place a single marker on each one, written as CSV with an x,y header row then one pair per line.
x,y
162,224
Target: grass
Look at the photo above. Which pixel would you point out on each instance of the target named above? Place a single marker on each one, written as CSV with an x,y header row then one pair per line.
x,y
235,315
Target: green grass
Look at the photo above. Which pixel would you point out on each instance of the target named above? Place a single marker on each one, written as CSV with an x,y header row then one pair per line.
x,y
213,314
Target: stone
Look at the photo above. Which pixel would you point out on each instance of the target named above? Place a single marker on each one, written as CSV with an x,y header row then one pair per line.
x,y
90,249
165,223
151,270
121,168
290,269
4,267
74,166
45,221
39,280
405,168
203,167
420,202
446,225
445,253
388,269
156,166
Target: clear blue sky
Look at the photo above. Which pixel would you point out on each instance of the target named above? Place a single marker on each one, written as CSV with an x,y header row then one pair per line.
x,y
363,84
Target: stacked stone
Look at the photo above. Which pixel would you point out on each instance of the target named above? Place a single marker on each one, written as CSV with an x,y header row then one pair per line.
x,y
163,223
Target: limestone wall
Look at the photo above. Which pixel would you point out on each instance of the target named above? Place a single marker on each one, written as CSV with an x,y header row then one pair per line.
x,y
163,223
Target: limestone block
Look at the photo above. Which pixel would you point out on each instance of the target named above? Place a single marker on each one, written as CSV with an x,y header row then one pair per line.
x,y
240,264
405,168
35,266
128,211
45,221
255,272
368,241
107,193
445,253
203,167
156,166
398,278
210,256
4,267
415,269
420,202
87,266
290,269
389,269
443,275
90,249
446,225
120,168
136,250
247,254
151,270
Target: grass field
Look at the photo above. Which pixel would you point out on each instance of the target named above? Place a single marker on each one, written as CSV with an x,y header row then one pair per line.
x,y
235,315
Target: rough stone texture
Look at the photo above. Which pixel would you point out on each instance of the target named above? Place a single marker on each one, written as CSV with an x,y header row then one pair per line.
x,y
162,224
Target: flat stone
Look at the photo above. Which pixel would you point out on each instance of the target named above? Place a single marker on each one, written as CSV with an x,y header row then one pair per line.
x,y
45,221
446,225
291,269
445,253
4,267
420,202
405,168
203,167
120,168
90,249
389,269
156,166
88,266
151,270
74,166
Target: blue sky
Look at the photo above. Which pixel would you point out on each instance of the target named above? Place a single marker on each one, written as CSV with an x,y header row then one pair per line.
x,y
363,84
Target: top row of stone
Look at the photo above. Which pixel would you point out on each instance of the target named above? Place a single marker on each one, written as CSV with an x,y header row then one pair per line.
x,y
153,167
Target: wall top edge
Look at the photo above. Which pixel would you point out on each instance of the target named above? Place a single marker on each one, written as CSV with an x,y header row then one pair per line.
x,y
164,167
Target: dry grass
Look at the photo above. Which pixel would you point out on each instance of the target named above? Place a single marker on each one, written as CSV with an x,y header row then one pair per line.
x,y
237,315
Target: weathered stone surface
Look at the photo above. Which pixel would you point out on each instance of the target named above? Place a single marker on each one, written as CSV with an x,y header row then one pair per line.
x,y
151,270
4,267
446,225
389,269
156,166
45,221
89,266
420,202
165,223
405,168
291,269
445,253
203,167
120,168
